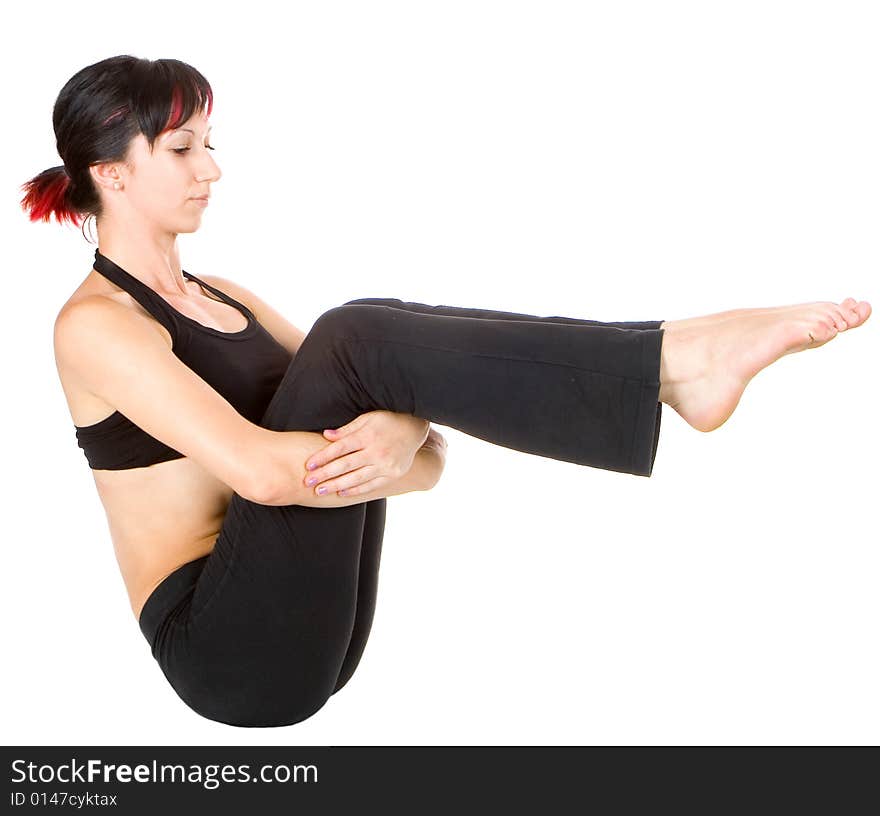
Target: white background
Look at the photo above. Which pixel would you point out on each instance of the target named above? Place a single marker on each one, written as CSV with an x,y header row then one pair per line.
x,y
613,161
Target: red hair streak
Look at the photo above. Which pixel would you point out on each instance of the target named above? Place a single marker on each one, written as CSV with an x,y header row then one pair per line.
x,y
45,195
175,116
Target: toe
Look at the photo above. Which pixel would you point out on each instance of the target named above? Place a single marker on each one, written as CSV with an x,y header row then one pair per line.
x,y
827,330
838,319
851,316
822,331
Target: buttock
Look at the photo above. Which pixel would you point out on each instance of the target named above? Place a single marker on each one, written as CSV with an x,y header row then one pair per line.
x,y
256,632
169,602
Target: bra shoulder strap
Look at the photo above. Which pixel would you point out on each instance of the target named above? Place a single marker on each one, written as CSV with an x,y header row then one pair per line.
x,y
142,293
220,293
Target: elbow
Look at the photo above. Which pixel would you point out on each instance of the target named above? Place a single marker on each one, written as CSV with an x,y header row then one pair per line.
x,y
290,494
256,489
262,475
266,486
277,470
277,492
258,480
262,495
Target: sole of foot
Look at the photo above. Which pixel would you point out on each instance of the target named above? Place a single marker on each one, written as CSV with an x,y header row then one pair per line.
x,y
707,362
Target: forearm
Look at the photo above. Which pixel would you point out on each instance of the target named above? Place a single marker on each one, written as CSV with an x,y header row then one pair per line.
x,y
428,463
434,453
288,451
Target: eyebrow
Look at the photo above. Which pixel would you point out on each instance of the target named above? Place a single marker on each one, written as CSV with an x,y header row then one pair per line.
x,y
191,130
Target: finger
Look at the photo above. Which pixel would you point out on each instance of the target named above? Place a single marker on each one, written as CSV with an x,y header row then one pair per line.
x,y
347,481
349,427
324,455
338,433
331,452
338,467
366,487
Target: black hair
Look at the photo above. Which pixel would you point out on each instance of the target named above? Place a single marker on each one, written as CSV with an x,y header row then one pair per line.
x,y
97,114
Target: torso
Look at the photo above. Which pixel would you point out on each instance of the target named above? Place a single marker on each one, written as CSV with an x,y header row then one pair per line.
x,y
165,515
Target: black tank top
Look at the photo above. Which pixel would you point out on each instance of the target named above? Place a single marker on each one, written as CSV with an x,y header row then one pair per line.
x,y
245,367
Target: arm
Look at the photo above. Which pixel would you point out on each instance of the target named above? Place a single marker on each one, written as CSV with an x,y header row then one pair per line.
x,y
287,455
290,450
435,445
118,355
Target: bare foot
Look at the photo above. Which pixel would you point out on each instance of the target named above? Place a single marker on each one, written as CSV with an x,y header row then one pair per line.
x,y
707,362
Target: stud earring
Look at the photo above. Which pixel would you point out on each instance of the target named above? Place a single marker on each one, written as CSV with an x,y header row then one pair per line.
x,y
116,185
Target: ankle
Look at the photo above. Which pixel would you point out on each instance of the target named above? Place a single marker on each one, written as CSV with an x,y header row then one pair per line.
x,y
671,375
666,388
668,395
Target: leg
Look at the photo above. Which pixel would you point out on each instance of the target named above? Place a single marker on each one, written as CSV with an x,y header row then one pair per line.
x,y
371,545
368,586
264,629
745,318
465,311
374,524
555,387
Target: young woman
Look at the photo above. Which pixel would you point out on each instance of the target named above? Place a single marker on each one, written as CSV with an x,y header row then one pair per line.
x,y
200,408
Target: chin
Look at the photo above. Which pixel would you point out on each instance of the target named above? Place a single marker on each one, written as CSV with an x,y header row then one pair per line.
x,y
187,227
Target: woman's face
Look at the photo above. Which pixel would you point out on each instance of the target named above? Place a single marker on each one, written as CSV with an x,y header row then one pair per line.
x,y
161,186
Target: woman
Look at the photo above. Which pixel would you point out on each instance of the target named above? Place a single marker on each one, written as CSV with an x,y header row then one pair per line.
x,y
199,407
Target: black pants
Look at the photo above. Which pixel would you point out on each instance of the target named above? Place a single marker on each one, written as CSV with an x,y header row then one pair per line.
x,y
265,628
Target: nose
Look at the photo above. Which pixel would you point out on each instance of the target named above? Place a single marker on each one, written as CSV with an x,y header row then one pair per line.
x,y
210,171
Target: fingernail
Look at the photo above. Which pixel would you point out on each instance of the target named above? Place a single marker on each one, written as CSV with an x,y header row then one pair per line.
x,y
313,465
311,481
322,490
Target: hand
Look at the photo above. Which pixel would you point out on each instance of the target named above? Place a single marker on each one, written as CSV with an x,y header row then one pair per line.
x,y
435,440
370,451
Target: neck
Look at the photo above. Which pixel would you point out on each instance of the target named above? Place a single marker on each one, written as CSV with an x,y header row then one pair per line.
x,y
153,260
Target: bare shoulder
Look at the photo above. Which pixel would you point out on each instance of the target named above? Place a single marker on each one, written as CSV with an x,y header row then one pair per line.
x,y
89,311
272,319
84,324
94,298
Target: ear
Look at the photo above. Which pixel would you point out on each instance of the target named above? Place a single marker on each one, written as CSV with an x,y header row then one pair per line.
x,y
105,175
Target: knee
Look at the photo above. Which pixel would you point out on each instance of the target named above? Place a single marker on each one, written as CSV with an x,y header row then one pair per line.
x,y
334,327
375,302
352,319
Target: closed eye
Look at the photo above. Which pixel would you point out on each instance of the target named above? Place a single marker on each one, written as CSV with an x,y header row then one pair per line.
x,y
181,150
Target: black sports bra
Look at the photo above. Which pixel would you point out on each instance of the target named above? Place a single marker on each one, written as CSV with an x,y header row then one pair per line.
x,y
245,367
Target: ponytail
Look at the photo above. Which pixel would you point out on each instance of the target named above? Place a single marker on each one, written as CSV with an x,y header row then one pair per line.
x,y
49,193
